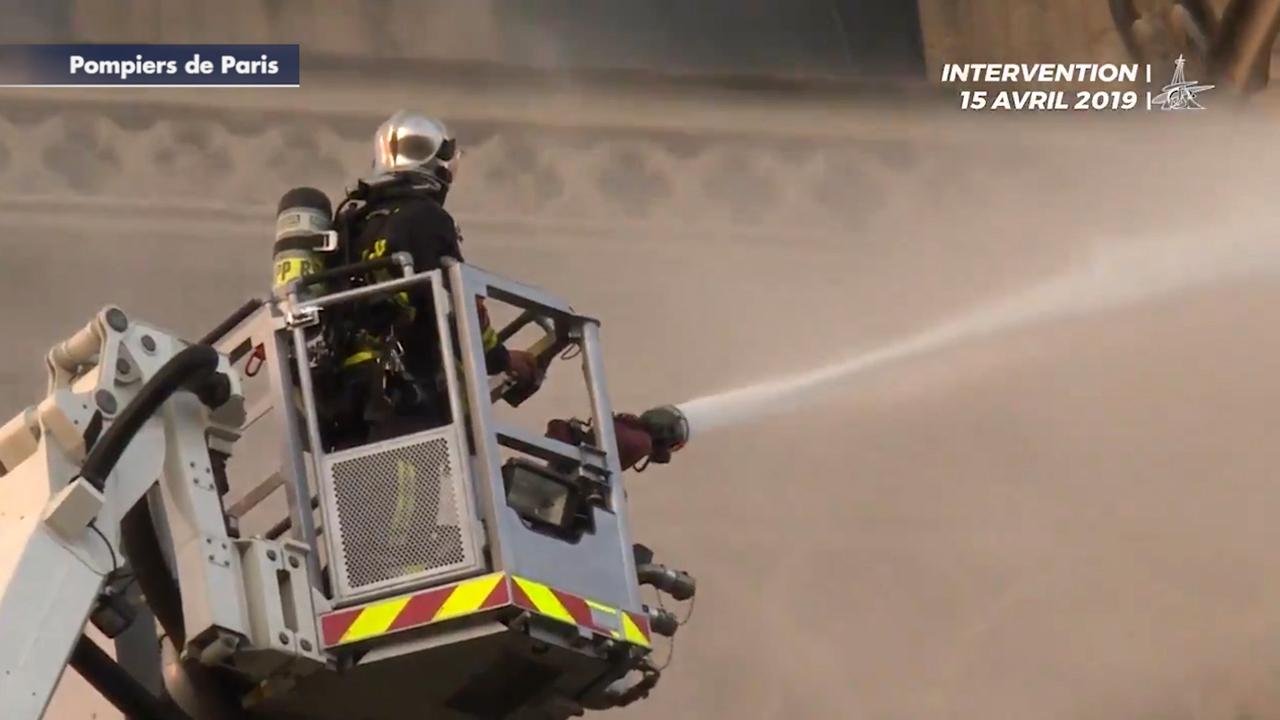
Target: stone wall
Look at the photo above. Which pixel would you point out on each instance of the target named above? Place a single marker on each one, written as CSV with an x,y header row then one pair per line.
x,y
603,158
113,159
1018,31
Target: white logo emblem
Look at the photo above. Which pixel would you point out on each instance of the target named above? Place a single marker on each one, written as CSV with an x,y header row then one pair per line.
x,y
1180,93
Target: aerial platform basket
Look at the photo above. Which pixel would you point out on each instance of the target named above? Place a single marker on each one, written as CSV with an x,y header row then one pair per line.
x,y
436,583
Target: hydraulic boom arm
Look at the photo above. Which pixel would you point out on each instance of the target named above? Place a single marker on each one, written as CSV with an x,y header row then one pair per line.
x,y
129,408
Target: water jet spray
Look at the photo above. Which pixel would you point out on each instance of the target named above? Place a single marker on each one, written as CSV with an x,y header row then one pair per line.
x,y
1111,278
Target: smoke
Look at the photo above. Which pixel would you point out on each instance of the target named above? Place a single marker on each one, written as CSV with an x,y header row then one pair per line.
x,y
1092,536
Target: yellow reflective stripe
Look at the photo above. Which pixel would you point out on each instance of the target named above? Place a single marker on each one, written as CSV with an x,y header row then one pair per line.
x,y
545,600
409,310
378,250
632,632
406,503
374,620
357,358
468,597
490,339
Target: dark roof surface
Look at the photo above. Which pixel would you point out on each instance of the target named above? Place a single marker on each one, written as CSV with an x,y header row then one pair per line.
x,y
780,38
774,37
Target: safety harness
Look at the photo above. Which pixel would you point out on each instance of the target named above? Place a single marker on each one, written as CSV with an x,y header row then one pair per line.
x,y
369,381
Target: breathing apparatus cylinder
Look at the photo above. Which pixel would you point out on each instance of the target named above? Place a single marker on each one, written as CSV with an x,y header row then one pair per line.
x,y
304,232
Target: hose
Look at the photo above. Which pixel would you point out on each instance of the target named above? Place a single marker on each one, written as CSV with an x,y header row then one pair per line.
x,y
233,320
141,546
118,686
191,368
355,269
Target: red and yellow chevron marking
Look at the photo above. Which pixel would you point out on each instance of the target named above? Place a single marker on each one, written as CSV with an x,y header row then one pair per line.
x,y
599,618
410,611
489,592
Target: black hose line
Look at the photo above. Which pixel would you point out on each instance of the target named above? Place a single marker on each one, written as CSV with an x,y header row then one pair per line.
x,y
191,368
345,271
140,544
118,686
226,326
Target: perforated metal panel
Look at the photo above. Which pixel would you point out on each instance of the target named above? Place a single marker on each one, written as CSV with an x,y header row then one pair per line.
x,y
400,513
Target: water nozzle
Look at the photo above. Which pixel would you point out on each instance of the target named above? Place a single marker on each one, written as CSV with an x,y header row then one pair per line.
x,y
669,430
676,583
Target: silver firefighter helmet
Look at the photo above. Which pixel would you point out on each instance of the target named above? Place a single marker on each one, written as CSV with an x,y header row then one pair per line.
x,y
410,142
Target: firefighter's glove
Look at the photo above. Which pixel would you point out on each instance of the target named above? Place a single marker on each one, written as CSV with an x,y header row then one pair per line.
x,y
524,370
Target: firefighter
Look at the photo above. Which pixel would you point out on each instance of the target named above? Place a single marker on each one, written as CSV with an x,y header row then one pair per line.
x,y
390,369
388,380
402,210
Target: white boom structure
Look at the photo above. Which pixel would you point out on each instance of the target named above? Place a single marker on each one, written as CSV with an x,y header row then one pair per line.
x,y
60,535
